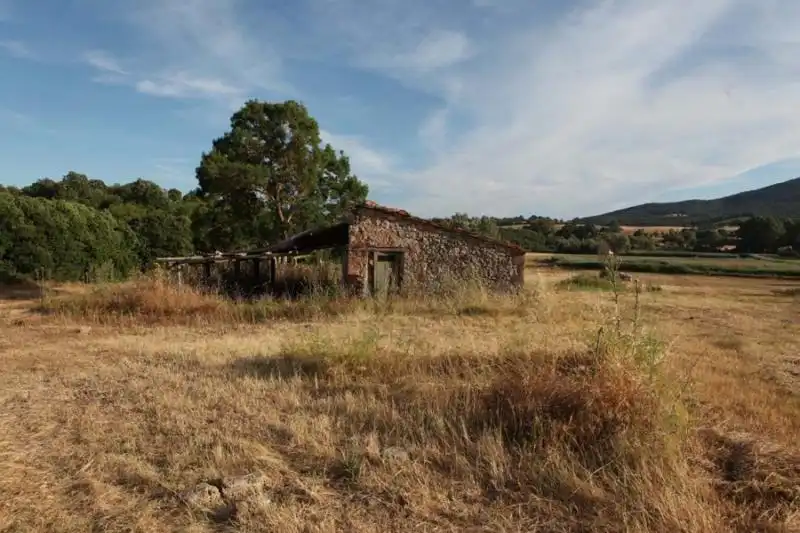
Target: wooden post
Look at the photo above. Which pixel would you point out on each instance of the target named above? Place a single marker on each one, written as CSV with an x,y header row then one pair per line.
x,y
273,267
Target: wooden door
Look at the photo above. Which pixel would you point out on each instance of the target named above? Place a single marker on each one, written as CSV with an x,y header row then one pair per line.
x,y
385,273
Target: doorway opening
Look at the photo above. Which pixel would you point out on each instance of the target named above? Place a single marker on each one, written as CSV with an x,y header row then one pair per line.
x,y
385,272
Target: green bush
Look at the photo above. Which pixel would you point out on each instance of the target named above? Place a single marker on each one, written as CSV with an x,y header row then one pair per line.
x,y
586,282
61,240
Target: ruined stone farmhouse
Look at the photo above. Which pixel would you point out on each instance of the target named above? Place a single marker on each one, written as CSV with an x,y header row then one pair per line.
x,y
388,250
383,250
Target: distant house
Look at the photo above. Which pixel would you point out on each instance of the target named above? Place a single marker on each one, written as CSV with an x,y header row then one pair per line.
x,y
388,249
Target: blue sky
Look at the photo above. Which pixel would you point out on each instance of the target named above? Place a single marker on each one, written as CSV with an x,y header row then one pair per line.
x,y
504,107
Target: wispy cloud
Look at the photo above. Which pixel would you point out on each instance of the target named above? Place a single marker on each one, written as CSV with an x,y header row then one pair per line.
x,y
209,38
17,49
183,86
23,121
571,109
104,62
433,131
371,165
436,50
173,171
202,51
609,103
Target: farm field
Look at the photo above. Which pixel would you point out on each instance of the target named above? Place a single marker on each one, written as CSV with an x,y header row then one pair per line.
x,y
475,413
683,264
630,230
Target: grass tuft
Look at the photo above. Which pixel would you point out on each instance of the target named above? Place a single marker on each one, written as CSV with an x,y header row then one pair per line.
x,y
587,282
154,300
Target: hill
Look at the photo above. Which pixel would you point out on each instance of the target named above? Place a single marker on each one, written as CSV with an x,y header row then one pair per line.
x,y
779,200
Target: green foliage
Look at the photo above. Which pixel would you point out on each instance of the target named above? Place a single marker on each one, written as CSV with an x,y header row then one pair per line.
x,y
267,177
62,240
270,176
761,234
482,225
590,282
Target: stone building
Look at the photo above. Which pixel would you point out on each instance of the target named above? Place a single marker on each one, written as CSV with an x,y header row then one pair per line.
x,y
388,250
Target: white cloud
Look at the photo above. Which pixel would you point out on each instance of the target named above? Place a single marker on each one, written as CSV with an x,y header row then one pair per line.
x,y
17,49
209,40
104,62
183,86
433,131
570,113
598,110
439,49
370,165
197,49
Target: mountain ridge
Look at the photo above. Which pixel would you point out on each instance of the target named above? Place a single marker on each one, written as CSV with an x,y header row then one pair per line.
x,y
780,200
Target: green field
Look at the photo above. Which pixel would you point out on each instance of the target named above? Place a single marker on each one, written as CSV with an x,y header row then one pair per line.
x,y
701,265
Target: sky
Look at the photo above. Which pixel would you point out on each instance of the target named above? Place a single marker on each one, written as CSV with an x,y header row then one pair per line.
x,y
501,107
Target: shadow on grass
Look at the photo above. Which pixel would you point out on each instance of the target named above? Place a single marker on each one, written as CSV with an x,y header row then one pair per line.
x,y
23,290
790,291
283,366
483,311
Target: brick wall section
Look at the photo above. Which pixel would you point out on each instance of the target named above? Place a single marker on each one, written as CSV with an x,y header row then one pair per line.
x,y
431,256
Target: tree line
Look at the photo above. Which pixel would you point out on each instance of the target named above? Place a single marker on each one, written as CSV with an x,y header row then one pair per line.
x,y
542,234
267,177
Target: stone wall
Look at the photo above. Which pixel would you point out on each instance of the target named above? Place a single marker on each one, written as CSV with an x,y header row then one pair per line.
x,y
432,257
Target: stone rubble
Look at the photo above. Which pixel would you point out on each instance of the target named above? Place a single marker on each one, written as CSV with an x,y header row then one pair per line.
x,y
220,498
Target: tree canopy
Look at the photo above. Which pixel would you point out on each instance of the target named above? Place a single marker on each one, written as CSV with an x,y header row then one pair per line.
x,y
270,176
267,177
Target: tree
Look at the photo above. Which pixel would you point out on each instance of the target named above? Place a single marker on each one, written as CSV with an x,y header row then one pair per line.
x,y
271,167
543,226
618,242
709,240
760,234
640,240
791,236
144,193
62,239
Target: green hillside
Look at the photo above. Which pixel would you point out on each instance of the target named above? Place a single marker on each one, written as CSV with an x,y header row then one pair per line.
x,y
780,200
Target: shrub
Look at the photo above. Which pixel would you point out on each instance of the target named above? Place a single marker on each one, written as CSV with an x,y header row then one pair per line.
x,y
586,282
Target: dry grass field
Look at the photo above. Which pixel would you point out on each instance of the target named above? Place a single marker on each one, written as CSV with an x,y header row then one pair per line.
x,y
630,230
140,408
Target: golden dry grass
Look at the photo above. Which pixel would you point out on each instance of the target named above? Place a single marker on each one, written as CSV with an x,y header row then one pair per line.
x,y
629,230
471,413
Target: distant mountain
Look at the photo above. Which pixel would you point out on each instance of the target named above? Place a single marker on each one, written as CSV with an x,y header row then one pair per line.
x,y
780,200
